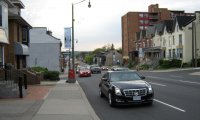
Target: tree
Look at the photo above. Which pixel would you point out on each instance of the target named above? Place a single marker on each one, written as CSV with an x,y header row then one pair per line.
x,y
119,50
89,59
112,47
98,50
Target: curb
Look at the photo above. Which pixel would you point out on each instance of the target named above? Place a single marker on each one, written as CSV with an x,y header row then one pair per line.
x,y
89,107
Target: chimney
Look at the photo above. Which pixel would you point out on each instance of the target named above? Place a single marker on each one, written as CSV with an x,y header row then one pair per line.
x,y
49,32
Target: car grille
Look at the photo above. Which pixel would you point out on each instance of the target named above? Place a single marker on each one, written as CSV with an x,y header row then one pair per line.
x,y
135,92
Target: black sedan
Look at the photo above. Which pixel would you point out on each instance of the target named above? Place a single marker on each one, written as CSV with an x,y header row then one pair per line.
x,y
125,87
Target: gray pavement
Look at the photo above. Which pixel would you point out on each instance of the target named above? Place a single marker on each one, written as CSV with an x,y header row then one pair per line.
x,y
66,101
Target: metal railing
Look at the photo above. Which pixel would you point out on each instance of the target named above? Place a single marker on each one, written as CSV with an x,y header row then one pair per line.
x,y
14,78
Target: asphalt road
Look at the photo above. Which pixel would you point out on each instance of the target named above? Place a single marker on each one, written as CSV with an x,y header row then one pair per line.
x,y
177,97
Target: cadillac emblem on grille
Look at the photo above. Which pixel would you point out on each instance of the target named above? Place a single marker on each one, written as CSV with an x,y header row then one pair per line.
x,y
136,93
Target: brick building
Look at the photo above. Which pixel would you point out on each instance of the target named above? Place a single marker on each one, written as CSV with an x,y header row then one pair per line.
x,y
133,22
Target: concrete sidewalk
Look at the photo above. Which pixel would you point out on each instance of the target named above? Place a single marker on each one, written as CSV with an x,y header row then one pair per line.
x,y
66,101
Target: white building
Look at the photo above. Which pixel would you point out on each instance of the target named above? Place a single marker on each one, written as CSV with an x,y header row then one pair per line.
x,y
179,43
173,39
45,50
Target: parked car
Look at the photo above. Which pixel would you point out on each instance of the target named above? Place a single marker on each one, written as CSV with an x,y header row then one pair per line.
x,y
124,88
104,68
113,68
95,70
84,72
121,69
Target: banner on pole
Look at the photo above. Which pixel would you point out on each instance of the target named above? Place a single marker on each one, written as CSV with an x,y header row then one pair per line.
x,y
68,37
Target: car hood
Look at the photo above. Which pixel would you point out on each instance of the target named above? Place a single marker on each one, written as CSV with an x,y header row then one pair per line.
x,y
136,84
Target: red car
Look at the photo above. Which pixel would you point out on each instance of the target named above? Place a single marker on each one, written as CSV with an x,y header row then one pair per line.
x,y
84,72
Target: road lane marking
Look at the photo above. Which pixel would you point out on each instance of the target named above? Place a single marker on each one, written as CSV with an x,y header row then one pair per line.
x,y
170,105
189,82
157,84
159,78
176,76
183,81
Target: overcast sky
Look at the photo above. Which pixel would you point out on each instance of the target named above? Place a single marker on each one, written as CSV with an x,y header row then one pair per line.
x,y
96,26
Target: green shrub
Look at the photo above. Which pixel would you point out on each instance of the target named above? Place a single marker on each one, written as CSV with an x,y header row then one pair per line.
x,y
185,65
198,62
176,63
130,64
144,67
39,69
51,75
161,62
166,64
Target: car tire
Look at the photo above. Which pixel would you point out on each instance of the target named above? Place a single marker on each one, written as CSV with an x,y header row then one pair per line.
x,y
110,100
100,93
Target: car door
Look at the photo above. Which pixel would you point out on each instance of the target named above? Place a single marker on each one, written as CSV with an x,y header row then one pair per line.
x,y
105,83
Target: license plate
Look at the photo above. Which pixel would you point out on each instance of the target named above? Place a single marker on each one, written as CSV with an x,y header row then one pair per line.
x,y
136,98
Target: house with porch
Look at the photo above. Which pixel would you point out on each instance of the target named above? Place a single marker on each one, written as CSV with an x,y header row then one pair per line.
x,y
13,48
173,39
18,49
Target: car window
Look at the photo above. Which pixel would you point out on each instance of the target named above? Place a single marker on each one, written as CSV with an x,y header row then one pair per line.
x,y
124,76
105,75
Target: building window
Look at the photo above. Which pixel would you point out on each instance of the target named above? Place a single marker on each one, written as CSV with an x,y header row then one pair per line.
x,y
144,45
177,28
174,53
141,15
146,15
18,33
169,41
24,35
164,54
1,15
180,53
180,39
141,21
173,40
141,28
170,53
164,41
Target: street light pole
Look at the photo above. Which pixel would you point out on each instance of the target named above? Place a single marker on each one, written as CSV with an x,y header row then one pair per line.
x,y
73,37
72,78
195,44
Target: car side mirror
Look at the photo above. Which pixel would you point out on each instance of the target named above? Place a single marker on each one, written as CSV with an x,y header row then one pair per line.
x,y
142,77
104,79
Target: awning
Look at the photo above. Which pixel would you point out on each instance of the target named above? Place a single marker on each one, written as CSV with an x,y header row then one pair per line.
x,y
125,57
3,36
21,49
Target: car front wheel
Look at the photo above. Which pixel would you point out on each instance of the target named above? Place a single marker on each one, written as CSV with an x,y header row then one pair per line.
x,y
100,92
110,99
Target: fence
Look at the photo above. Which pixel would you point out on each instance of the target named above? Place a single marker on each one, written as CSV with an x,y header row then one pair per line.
x,y
12,78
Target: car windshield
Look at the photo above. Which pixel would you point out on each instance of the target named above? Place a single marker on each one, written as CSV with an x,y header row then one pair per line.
x,y
83,68
124,76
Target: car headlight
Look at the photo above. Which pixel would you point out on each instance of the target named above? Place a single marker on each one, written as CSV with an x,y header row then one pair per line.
x,y
150,89
117,91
